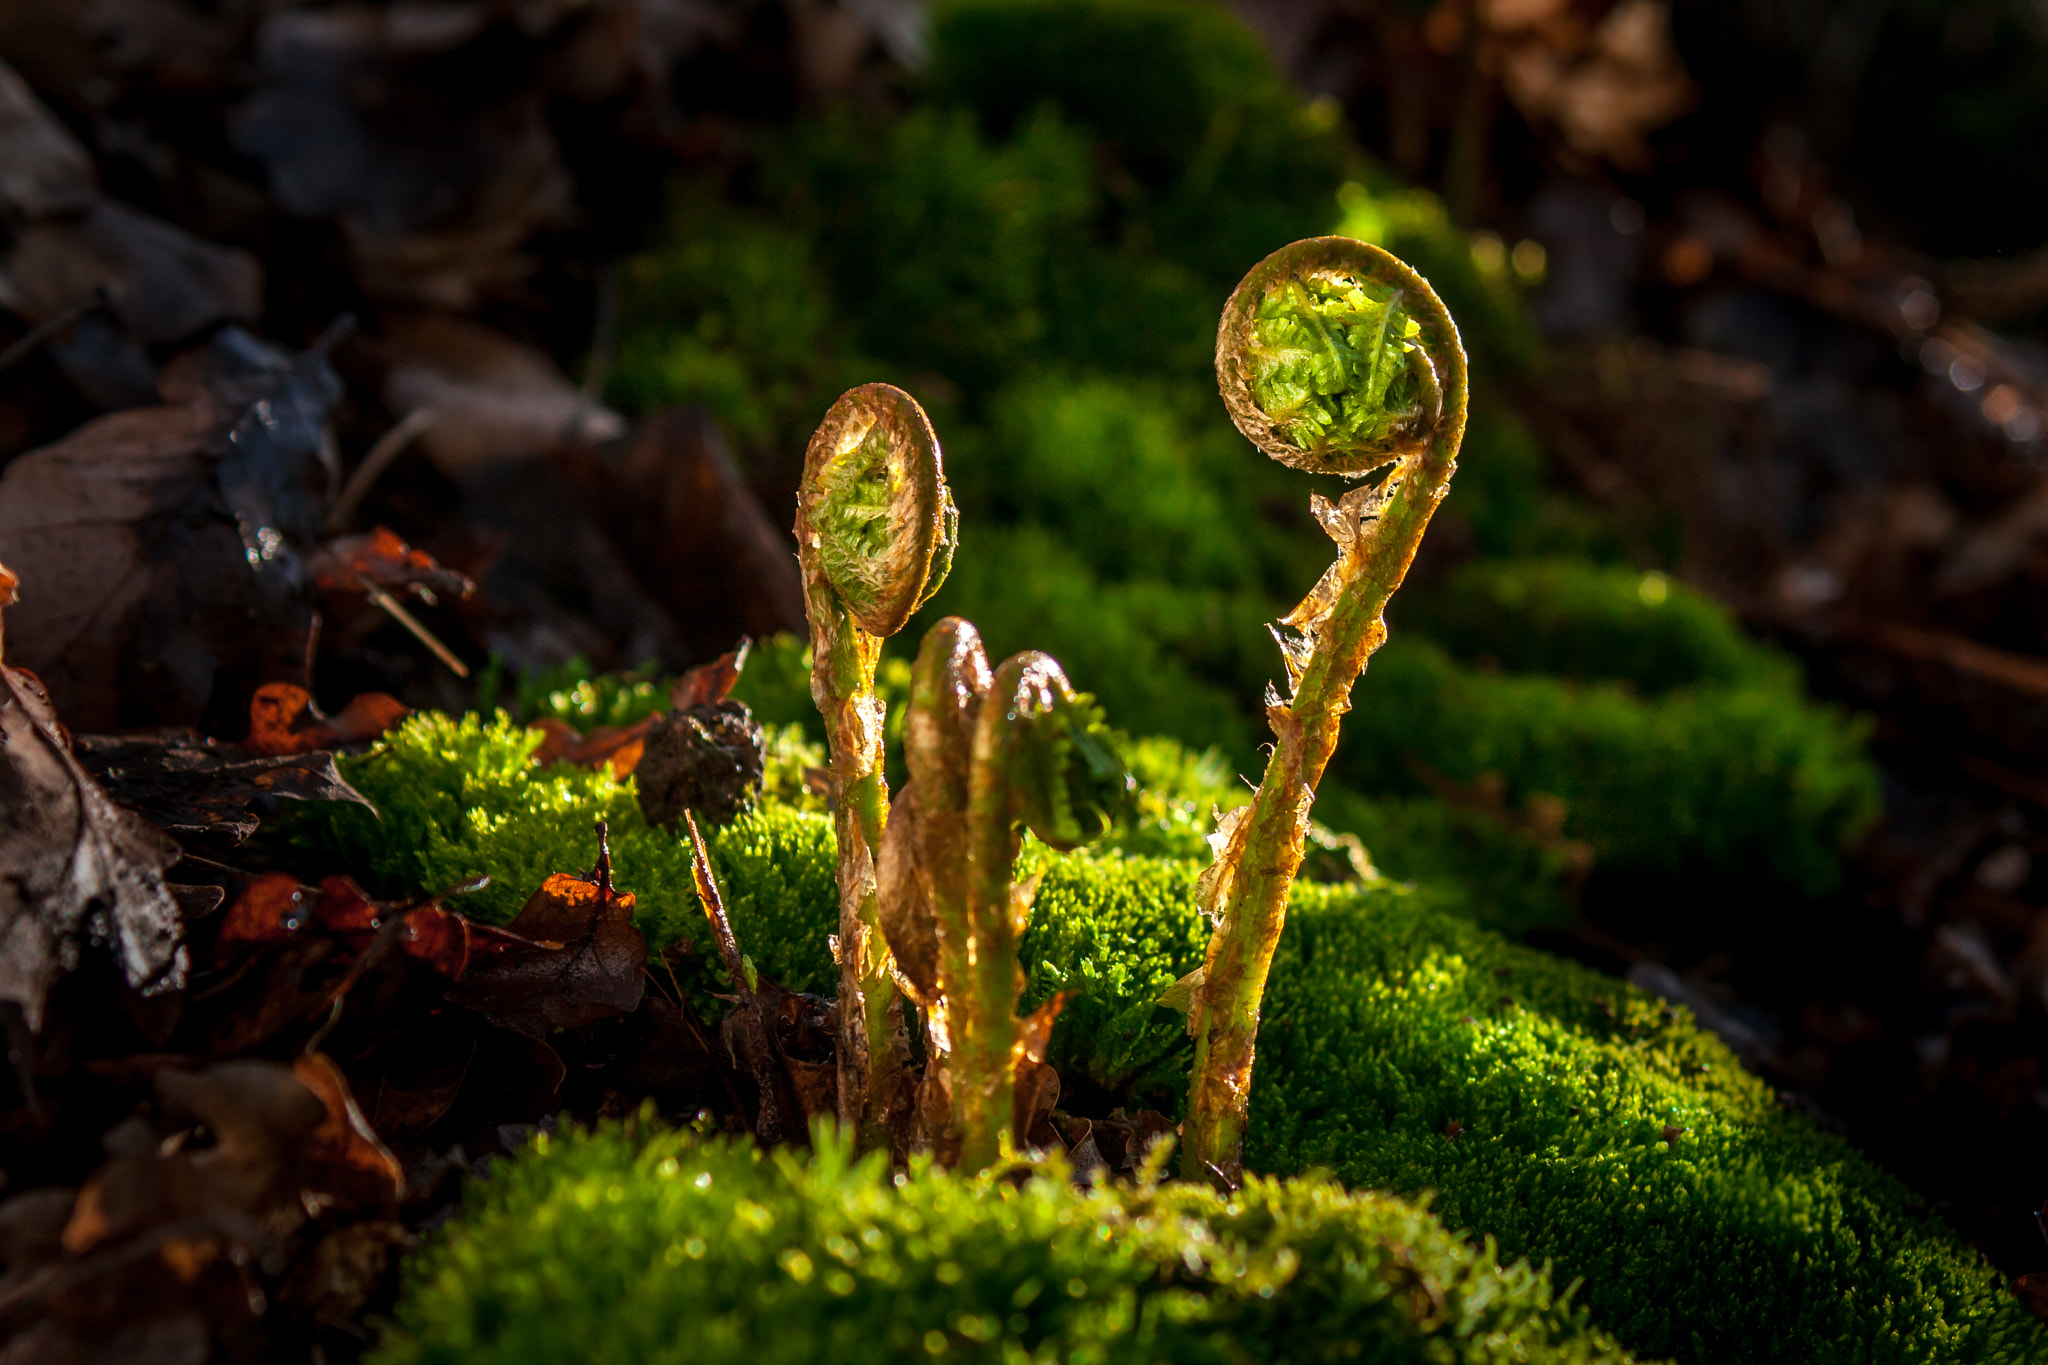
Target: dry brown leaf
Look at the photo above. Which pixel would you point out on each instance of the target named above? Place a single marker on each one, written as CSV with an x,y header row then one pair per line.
x,y
186,783
284,720
43,170
74,867
164,545
493,400
585,962
343,1161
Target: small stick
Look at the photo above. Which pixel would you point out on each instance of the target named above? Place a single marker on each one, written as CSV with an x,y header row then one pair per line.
x,y
60,321
412,623
389,447
764,1059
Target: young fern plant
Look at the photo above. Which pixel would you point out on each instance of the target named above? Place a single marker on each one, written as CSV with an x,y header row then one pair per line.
x,y
1332,357
990,754
875,533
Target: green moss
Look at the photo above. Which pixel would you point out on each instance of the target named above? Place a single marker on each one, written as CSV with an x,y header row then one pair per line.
x,y
1594,623
1474,865
1216,159
639,1244
734,312
459,797
1737,781
1749,1236
577,694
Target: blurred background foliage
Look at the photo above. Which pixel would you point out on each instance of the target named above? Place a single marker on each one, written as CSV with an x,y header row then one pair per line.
x,y
1035,244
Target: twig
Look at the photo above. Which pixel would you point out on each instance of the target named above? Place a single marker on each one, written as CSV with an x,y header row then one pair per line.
x,y
405,618
62,320
604,333
389,447
777,1113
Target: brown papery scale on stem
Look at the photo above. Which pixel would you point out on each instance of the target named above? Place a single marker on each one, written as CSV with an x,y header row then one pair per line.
x,y
875,531
1333,357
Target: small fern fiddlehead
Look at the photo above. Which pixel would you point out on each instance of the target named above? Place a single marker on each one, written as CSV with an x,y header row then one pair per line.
x,y
1333,357
990,755
875,531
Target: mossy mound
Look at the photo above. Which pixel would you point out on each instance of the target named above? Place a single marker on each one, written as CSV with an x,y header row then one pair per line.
x,y
641,1244
1575,1118
1594,623
457,797
1747,1236
1736,781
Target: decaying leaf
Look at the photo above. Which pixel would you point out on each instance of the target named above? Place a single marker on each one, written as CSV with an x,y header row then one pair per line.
x,y
379,558
74,867
164,544
190,785
618,746
1038,1085
584,961
493,400
343,1161
284,720
275,907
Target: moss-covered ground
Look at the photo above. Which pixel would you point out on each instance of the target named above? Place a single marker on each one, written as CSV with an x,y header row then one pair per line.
x,y
1569,1116
646,1244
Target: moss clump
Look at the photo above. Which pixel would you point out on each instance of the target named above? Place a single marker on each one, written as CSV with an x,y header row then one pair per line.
x,y
459,797
1502,876
1595,623
1742,781
1499,875
1748,1236
1578,1120
634,1243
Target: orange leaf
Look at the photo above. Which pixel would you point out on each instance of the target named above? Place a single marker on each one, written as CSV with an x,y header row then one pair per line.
x,y
343,1159
284,720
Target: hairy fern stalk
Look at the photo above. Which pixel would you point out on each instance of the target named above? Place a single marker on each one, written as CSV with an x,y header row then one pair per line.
x,y
875,531
1334,357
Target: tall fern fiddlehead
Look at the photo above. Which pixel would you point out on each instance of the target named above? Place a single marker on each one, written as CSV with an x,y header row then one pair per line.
x,y
989,755
875,532
1334,357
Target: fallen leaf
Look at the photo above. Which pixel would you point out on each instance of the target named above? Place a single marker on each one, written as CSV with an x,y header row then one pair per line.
x,y
275,907
709,684
673,498
492,399
423,1072
380,558
2032,1291
595,972
620,747
43,169
284,720
162,283
1037,1084
343,1161
74,867
190,785
164,545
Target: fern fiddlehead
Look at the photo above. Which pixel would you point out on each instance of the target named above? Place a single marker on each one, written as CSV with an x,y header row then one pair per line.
x,y
990,755
875,531
1333,357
